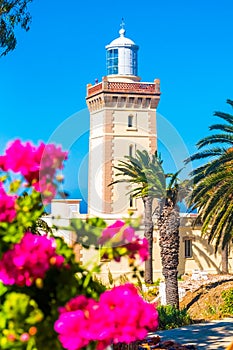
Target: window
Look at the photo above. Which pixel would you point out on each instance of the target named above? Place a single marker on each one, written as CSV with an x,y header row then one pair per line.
x,y
112,61
188,248
131,150
131,201
135,63
130,121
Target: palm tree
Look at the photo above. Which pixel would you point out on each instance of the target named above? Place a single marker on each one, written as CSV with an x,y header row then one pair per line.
x,y
168,220
213,185
146,174
149,182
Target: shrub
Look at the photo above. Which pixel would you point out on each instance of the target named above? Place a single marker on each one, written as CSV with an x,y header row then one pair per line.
x,y
170,317
48,299
227,307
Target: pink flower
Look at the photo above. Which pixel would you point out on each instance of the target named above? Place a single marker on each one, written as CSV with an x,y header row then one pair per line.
x,y
28,260
52,158
24,337
133,317
139,246
74,322
120,235
121,315
111,231
7,206
2,163
48,190
19,157
11,337
38,165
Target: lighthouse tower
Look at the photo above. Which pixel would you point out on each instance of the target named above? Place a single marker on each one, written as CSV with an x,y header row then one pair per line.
x,y
122,120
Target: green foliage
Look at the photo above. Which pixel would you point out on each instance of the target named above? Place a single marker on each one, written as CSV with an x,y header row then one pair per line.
x,y
40,226
211,309
227,307
110,278
18,314
124,279
145,172
12,14
3,289
29,210
88,231
157,282
151,293
212,182
170,317
133,222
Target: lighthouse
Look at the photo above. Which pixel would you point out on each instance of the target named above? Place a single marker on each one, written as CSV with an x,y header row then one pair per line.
x,y
122,120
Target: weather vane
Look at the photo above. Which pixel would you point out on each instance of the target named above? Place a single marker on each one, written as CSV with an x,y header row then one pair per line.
x,y
122,23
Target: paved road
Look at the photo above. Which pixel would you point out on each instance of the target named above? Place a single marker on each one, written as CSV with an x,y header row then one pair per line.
x,y
211,335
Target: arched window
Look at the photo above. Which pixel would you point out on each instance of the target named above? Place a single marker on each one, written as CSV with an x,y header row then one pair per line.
x,y
131,150
130,121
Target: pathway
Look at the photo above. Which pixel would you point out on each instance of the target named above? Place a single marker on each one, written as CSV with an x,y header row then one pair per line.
x,y
210,335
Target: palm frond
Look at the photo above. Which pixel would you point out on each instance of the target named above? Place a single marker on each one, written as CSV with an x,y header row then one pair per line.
x,y
213,139
222,127
213,152
145,172
226,116
230,102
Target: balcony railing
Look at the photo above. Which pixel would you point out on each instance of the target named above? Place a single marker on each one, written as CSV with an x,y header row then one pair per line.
x,y
111,86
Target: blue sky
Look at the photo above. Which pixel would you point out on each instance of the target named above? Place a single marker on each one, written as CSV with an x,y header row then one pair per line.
x,y
188,45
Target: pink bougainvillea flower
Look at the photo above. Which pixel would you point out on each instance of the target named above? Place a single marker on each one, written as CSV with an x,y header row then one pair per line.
x,y
128,234
19,157
73,325
133,317
121,315
139,246
28,260
120,235
7,206
30,160
2,163
38,165
52,158
46,188
111,231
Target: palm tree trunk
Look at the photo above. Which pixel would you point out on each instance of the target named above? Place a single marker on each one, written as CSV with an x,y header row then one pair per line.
x,y
148,233
224,253
169,242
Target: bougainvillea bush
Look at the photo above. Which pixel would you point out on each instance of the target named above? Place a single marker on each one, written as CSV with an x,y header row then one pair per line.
x,y
48,300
